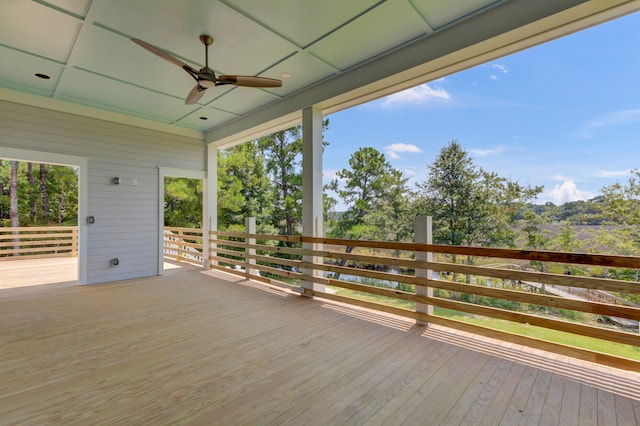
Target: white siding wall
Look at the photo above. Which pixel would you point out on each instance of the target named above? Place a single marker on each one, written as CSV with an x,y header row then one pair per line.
x,y
126,215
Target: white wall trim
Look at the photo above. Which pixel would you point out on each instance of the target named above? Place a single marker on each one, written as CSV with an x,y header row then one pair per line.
x,y
83,193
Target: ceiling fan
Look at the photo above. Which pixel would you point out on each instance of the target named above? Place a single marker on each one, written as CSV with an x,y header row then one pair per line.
x,y
205,77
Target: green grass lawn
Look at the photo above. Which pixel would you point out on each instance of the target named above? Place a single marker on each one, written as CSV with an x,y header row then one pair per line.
x,y
617,349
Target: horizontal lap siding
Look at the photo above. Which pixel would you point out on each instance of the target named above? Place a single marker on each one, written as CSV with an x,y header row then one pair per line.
x,y
126,215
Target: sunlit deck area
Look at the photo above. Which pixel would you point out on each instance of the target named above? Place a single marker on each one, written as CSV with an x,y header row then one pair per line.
x,y
206,347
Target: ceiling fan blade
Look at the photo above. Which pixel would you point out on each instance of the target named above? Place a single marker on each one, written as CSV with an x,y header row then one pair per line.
x,y
194,95
164,56
249,81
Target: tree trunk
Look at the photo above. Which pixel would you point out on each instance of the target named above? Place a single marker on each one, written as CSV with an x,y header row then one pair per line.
x,y
1,194
13,204
61,203
33,213
43,194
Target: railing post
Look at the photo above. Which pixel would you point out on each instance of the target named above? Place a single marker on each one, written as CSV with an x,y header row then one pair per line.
x,y
424,235
250,228
179,245
74,242
211,244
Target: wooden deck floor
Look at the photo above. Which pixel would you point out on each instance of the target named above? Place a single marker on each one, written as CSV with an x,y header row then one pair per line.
x,y
194,347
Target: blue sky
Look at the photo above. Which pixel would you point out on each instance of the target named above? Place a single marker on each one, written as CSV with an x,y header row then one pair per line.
x,y
565,115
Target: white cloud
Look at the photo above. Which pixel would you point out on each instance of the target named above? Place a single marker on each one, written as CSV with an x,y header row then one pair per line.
x,y
393,150
479,152
329,175
568,191
613,173
615,118
500,68
410,172
416,95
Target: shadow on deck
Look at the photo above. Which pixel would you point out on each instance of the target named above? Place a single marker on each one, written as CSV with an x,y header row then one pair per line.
x,y
208,347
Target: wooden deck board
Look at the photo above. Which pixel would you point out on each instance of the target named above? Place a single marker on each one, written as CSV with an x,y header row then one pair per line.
x,y
624,412
553,401
588,414
491,403
194,347
570,404
636,409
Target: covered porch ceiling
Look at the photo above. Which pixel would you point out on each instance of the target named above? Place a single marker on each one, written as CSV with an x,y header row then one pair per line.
x,y
330,54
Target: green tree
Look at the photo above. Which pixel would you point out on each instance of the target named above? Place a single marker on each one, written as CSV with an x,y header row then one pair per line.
x,y
40,203
3,196
44,195
536,237
183,202
621,210
63,194
376,194
13,195
394,212
566,238
243,188
365,189
283,155
470,206
282,152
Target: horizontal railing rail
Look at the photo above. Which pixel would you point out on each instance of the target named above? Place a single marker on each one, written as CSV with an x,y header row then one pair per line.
x,y
383,275
38,242
183,244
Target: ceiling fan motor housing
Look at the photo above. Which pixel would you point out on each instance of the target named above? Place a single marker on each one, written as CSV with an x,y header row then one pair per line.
x,y
206,77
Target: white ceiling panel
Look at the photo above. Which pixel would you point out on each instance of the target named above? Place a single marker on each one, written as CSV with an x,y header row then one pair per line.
x,y
17,72
76,7
440,13
214,93
129,62
96,91
39,30
303,21
240,100
371,34
214,118
303,69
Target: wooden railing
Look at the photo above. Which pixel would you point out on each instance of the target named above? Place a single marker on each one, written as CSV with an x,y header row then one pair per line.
x,y
183,244
414,287
38,242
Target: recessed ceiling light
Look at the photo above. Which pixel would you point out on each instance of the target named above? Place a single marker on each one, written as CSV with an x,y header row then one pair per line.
x,y
286,75
42,76
204,118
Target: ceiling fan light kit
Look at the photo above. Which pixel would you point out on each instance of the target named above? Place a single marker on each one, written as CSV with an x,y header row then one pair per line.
x,y
205,77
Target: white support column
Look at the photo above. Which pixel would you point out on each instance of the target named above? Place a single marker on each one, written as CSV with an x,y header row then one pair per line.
x,y
312,214
250,228
424,235
209,203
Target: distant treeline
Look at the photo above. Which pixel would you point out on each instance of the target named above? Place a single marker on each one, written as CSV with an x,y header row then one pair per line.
x,y
588,212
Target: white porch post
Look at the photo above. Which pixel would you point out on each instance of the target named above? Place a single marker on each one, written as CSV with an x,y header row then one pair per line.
x,y
424,235
312,215
209,203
